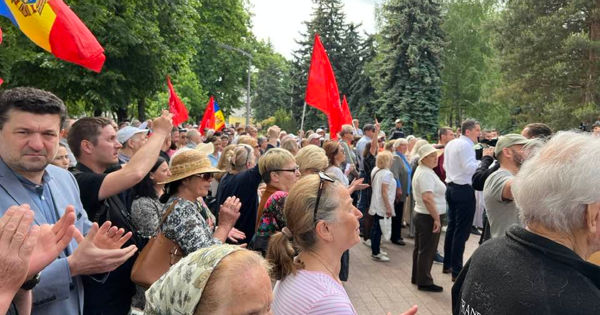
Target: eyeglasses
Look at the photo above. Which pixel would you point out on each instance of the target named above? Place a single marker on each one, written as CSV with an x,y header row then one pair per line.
x,y
294,170
204,176
322,178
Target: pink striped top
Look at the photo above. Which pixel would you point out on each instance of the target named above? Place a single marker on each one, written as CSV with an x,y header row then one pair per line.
x,y
310,292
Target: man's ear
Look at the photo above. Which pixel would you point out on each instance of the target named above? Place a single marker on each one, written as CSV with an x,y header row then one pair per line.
x,y
86,146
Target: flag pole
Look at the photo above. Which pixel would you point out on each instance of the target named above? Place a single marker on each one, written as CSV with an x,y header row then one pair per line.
x,y
303,113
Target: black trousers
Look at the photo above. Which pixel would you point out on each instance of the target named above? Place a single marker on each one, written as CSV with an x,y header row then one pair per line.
x,y
397,221
426,243
461,209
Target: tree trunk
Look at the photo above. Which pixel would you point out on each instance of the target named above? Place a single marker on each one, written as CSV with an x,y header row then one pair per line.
x,y
121,114
141,107
592,75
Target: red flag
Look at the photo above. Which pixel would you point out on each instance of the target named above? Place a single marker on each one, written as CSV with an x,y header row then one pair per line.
x,y
1,81
0,36
208,120
346,115
176,106
321,89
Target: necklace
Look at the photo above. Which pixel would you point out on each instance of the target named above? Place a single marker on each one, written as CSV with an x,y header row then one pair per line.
x,y
315,255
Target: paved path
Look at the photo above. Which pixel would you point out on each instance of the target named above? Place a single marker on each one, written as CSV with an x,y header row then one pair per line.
x,y
381,287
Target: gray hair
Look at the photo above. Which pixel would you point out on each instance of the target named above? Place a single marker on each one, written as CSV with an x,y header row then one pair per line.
x,y
399,142
554,186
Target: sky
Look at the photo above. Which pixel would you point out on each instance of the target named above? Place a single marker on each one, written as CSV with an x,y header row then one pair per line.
x,y
282,20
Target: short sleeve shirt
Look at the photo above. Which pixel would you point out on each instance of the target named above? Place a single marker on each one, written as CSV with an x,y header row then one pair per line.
x,y
89,185
501,213
425,180
381,177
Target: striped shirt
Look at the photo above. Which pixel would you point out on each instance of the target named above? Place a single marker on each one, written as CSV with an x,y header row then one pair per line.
x,y
310,292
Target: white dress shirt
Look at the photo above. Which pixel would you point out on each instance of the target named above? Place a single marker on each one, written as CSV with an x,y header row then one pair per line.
x,y
459,161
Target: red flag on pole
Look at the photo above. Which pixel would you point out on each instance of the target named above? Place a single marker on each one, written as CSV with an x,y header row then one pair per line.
x,y
346,115
208,120
176,106
321,89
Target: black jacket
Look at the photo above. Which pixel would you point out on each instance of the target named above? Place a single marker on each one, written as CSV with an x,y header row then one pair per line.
x,y
524,273
483,171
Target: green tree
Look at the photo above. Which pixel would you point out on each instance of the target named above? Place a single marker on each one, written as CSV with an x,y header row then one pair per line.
x,y
411,45
272,83
550,60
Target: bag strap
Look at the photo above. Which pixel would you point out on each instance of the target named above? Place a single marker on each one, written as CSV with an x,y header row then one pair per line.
x,y
166,215
373,178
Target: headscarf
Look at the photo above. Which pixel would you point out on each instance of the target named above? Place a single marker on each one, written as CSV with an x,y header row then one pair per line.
x,y
179,290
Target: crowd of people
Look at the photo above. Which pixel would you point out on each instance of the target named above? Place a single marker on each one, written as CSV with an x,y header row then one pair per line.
x,y
264,223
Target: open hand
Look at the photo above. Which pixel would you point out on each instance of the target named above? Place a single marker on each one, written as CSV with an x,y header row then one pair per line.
x,y
111,237
357,184
230,211
236,235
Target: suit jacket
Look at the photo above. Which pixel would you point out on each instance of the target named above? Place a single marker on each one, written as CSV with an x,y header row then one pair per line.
x,y
401,175
57,292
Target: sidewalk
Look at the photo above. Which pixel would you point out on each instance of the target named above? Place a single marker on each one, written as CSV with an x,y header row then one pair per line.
x,y
382,287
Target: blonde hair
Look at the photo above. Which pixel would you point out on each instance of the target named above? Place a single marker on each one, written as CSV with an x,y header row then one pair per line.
x,y
389,146
346,129
229,269
299,213
275,158
224,163
273,132
384,159
416,147
290,144
311,157
246,139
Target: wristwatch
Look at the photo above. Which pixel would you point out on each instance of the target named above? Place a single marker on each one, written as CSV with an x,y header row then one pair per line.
x,y
31,283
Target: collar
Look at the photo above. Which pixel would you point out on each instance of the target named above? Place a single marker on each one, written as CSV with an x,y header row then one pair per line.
x,y
467,139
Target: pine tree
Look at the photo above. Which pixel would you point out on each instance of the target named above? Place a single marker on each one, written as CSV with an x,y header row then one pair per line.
x,y
343,45
409,74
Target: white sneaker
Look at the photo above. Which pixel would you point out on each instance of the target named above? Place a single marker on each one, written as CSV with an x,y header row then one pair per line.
x,y
367,243
380,257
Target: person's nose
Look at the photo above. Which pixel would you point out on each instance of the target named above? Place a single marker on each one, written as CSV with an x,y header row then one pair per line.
x,y
357,213
118,145
36,142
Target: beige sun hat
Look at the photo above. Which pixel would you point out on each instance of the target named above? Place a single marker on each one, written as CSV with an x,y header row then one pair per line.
x,y
206,148
188,163
426,150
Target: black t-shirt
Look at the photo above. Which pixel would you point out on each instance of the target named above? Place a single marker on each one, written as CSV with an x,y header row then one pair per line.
x,y
243,185
89,187
396,133
115,294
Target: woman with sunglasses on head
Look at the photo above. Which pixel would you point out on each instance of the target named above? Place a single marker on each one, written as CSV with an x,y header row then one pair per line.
x,y
322,224
190,224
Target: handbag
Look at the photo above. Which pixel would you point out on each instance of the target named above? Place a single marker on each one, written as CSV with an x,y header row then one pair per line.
x,y
157,256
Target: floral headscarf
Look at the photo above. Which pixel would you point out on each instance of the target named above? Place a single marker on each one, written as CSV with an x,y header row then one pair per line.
x,y
179,290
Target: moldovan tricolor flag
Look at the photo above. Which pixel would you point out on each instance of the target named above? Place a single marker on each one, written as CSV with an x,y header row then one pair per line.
x,y
176,106
52,25
219,117
213,117
322,90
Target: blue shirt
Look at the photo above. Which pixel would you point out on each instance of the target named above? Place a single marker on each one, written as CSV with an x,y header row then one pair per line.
x,y
41,196
408,170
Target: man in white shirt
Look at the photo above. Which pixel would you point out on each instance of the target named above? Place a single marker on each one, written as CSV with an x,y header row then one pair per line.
x,y
460,165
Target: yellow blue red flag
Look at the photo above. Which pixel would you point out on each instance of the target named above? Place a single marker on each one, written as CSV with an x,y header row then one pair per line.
x,y
52,25
219,117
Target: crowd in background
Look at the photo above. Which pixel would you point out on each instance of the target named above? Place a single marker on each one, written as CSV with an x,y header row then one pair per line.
x,y
98,192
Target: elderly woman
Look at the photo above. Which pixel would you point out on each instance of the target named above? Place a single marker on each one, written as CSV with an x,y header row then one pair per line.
x,y
322,224
190,224
430,202
242,181
213,280
289,143
382,201
557,194
336,156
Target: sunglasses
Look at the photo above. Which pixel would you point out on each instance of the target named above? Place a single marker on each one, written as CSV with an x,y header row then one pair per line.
x,y
294,170
322,179
204,176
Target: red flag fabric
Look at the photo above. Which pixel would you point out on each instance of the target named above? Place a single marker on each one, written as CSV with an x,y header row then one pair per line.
x,y
0,36
322,90
176,106
346,115
208,120
1,81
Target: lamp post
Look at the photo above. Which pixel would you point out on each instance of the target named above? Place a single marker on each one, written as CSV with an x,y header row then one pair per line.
x,y
247,54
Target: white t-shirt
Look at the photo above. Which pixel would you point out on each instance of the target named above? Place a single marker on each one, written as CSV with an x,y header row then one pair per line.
x,y
384,176
338,174
425,180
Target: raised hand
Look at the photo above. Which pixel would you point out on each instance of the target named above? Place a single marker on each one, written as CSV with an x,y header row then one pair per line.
x,y
52,240
17,241
229,212
89,259
357,184
163,123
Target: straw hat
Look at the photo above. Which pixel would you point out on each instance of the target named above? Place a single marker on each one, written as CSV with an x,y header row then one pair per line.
x,y
426,150
206,148
188,163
